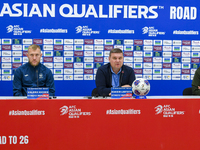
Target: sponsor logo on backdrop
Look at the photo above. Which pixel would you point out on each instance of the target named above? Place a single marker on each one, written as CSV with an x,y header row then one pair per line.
x,y
6,53
58,77
68,65
157,77
78,77
147,71
147,65
166,77
138,71
88,77
148,42
49,65
186,42
6,65
88,47
148,48
137,65
167,71
177,42
151,31
148,77
184,32
68,71
58,65
185,77
78,53
167,48
48,59
16,53
88,71
37,41
98,47
58,47
128,53
59,30
148,59
167,42
78,71
85,30
68,77
6,47
128,42
73,112
68,41
98,41
6,78
176,71
123,112
138,42
195,60
17,30
129,64
157,48
48,41
78,41
88,53
120,31
89,41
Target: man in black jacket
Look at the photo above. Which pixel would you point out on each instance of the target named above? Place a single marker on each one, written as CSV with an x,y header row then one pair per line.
x,y
114,74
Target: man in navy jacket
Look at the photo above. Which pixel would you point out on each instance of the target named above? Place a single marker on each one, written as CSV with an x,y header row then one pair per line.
x,y
114,74
33,74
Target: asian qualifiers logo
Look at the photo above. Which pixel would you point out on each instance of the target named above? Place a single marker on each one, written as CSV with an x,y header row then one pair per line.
x,y
17,30
159,109
63,110
73,112
151,31
167,111
85,30
78,29
9,28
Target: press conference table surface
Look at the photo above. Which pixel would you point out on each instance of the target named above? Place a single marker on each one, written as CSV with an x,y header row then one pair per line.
x,y
79,123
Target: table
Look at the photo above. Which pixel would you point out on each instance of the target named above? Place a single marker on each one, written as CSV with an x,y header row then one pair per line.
x,y
156,123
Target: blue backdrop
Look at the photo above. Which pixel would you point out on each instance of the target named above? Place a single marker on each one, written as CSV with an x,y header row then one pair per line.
x,y
75,37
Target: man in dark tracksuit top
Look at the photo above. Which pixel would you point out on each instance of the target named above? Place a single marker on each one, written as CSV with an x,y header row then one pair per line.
x,y
33,74
196,83
114,74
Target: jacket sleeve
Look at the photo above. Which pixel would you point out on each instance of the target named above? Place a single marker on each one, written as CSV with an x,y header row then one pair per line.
x,y
131,78
196,83
50,83
101,83
17,83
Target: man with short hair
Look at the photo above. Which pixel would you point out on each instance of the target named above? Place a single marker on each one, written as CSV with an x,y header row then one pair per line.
x,y
114,74
33,74
196,83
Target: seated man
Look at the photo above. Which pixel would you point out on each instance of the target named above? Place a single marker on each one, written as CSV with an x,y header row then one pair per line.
x,y
196,83
33,74
114,74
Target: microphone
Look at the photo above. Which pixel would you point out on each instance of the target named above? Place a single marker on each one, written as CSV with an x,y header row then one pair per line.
x,y
37,77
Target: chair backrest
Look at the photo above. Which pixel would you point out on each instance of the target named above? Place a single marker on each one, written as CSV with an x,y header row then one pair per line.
x,y
187,91
95,92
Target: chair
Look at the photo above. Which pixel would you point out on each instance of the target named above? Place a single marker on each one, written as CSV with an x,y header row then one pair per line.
x,y
187,91
95,92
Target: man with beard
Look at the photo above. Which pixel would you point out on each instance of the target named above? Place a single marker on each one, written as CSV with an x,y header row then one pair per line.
x,y
33,74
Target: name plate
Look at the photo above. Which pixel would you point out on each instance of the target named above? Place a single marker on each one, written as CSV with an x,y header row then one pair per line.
x,y
37,93
121,92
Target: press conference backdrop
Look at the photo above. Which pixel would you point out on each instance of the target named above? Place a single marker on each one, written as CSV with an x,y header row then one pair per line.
x,y
160,41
